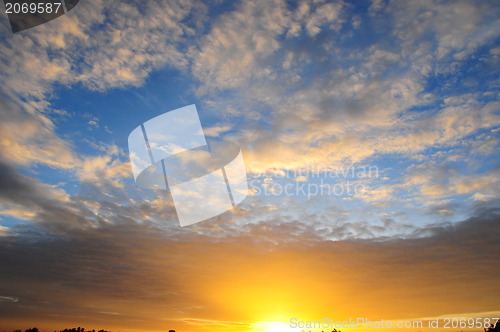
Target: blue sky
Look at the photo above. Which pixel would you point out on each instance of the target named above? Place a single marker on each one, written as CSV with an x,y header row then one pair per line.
x,y
369,74
409,88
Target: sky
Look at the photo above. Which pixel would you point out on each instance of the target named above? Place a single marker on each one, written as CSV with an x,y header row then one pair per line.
x,y
370,134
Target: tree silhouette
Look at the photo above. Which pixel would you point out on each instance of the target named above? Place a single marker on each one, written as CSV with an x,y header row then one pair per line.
x,y
80,329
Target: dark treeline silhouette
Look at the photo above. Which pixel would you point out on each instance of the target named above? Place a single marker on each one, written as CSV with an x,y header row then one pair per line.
x,y
74,329
493,328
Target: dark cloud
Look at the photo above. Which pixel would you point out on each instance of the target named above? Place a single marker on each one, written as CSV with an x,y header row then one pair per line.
x,y
130,273
16,187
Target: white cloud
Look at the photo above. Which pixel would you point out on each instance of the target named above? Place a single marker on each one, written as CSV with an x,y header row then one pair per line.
x,y
215,131
102,45
239,42
17,213
4,230
327,13
4,298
